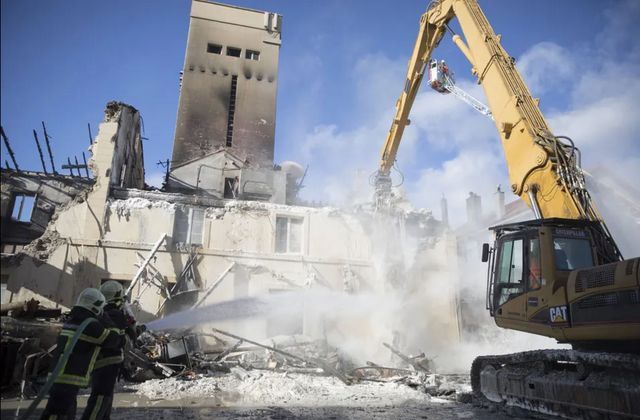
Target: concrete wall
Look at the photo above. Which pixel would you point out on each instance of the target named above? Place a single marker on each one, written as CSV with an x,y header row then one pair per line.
x,y
338,252
203,112
243,233
126,167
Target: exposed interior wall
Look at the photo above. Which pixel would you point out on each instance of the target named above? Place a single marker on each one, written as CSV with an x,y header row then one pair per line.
x,y
57,266
45,192
126,168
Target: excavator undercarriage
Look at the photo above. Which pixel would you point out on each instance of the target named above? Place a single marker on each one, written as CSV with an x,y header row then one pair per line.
x,y
565,383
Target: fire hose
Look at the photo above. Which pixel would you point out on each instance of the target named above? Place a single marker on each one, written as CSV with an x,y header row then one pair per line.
x,y
56,372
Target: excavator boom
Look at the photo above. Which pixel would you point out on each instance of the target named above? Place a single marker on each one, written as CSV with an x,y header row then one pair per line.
x,y
543,168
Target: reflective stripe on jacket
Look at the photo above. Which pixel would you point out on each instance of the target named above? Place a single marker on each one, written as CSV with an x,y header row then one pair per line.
x,y
77,370
117,321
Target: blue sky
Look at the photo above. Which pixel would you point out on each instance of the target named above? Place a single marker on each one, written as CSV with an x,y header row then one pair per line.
x,y
342,66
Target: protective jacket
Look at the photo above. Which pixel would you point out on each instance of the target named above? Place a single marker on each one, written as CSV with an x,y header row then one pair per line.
x,y
77,370
116,320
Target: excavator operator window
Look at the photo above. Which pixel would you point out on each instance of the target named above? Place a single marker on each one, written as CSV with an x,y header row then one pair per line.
x,y
510,278
572,253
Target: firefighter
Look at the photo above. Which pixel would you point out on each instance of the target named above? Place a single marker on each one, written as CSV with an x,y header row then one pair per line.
x,y
109,362
76,372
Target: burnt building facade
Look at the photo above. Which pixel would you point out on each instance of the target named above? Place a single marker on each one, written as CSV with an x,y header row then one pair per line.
x,y
228,91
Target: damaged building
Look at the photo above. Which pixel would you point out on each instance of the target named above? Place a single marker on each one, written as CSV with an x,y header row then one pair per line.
x,y
225,131
116,230
28,200
225,227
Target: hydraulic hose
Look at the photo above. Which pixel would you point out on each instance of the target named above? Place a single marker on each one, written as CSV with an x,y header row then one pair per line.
x,y
56,372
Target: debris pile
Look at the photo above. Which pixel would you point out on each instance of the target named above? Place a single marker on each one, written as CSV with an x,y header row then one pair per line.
x,y
188,364
29,335
290,369
264,388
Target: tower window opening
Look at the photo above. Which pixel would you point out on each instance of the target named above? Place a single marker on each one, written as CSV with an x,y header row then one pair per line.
x,y
232,109
252,55
233,52
214,48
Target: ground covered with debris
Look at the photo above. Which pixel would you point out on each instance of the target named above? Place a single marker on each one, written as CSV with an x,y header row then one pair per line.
x,y
257,394
172,376
257,388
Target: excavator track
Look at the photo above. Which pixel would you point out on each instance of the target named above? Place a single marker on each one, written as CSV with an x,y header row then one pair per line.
x,y
566,383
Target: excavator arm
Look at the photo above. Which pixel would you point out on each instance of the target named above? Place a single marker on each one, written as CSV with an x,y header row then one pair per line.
x,y
544,169
429,35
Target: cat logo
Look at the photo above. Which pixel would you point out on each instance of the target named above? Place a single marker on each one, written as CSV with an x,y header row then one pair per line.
x,y
558,314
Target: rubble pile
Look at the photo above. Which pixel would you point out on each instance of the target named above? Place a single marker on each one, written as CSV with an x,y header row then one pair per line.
x,y
259,387
183,365
29,334
288,370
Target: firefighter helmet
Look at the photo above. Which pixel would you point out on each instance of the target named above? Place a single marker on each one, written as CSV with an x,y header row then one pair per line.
x,y
113,292
91,299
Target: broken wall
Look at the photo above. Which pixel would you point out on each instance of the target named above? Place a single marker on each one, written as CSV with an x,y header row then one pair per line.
x,y
121,157
47,191
57,266
367,274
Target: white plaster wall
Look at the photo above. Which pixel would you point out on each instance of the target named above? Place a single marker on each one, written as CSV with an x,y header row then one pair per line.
x,y
247,232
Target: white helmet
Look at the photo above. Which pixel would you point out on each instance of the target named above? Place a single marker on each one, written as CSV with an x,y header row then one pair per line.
x,y
113,292
91,299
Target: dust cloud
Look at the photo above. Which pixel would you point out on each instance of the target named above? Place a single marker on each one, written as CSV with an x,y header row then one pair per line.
x,y
422,299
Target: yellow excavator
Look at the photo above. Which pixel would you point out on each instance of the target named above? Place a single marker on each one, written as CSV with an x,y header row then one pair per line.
x,y
560,275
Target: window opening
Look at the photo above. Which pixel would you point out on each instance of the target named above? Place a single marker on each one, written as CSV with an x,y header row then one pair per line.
x,y
231,186
252,55
232,109
214,48
187,227
23,207
288,235
233,52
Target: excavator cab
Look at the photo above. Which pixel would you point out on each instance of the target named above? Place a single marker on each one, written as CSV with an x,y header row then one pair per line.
x,y
529,266
553,277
